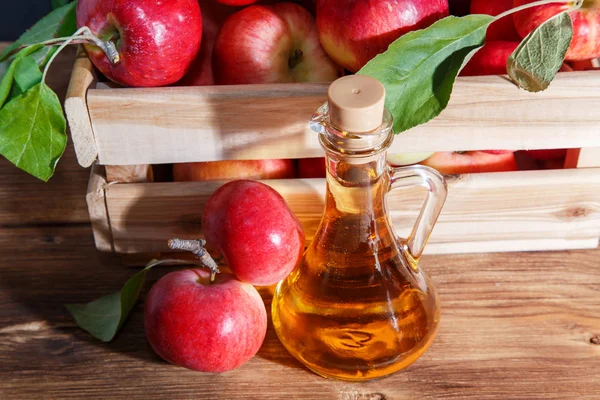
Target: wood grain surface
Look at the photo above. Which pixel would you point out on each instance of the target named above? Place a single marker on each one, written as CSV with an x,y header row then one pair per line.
x,y
516,326
183,124
537,210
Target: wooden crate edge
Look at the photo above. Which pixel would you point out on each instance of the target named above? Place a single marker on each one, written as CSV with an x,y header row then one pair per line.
x,y
77,112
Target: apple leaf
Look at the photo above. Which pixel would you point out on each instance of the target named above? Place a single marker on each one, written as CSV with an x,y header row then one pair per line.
x,y
103,317
9,76
27,75
33,131
534,64
419,69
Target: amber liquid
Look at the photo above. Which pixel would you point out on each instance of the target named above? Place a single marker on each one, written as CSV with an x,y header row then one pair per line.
x,y
355,308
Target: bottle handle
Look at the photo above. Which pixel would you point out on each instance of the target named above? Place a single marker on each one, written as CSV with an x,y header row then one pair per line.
x,y
418,175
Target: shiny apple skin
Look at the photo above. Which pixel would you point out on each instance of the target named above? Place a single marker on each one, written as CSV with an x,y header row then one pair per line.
x,y
251,225
237,3
352,32
234,169
586,27
490,59
449,163
158,39
208,327
256,44
503,29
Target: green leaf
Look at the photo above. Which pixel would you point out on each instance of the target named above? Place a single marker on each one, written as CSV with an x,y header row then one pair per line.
x,y
60,22
27,75
534,64
7,75
103,317
419,69
33,131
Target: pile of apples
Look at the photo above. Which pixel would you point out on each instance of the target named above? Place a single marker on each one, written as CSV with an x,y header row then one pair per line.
x,y
217,325
225,42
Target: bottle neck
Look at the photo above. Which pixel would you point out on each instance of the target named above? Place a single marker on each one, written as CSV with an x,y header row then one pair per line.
x,y
357,185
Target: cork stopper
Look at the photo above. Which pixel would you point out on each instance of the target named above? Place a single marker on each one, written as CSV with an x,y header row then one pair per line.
x,y
356,103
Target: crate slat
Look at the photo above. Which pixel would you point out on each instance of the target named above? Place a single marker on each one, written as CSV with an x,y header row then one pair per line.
x,y
184,124
542,210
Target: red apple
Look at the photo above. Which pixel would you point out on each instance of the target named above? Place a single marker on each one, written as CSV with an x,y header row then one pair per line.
x,y
202,325
271,44
251,225
156,40
497,151
471,162
490,59
233,169
548,154
312,168
503,29
200,72
352,32
237,2
585,44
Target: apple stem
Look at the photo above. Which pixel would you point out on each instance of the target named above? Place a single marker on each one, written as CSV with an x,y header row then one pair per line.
x,y
83,35
295,58
197,248
575,4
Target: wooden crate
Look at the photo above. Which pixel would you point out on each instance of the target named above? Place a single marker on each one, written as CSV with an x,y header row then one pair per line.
x,y
124,131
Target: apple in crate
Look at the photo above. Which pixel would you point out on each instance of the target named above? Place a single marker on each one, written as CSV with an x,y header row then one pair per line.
x,y
202,325
156,40
352,32
200,72
233,169
503,29
585,44
312,168
271,44
237,2
448,163
490,59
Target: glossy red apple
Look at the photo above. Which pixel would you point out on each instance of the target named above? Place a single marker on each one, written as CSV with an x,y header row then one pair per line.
x,y
503,29
156,40
490,59
233,169
471,162
204,326
585,44
251,225
237,2
497,151
312,168
546,154
271,44
200,72
352,32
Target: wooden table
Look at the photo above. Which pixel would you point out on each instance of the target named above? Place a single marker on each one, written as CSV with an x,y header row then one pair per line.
x,y
514,326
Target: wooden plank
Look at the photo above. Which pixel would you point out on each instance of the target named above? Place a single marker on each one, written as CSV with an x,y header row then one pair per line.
x,y
96,202
538,210
514,327
183,124
76,109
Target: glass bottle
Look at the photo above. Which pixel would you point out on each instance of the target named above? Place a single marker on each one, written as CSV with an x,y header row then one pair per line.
x,y
358,306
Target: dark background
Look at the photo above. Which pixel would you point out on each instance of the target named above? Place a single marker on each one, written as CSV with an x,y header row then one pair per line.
x,y
18,15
